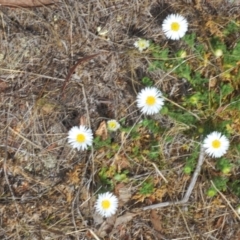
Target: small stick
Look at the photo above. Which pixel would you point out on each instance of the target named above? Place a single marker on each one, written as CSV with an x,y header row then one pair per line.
x,y
190,187
159,172
195,174
172,102
72,69
93,234
30,73
27,3
21,136
85,229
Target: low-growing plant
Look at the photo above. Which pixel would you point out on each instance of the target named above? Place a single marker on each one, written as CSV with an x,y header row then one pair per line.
x,y
211,70
220,184
147,188
224,165
109,176
191,161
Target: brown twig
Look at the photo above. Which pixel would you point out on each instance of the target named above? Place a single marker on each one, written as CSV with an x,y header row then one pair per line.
x,y
27,3
24,138
72,69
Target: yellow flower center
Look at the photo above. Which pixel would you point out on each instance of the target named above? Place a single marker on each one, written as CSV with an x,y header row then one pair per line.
x,y
216,144
106,204
112,125
150,100
80,138
175,26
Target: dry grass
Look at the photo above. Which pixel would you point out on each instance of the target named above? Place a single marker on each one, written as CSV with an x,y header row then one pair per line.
x,y
47,189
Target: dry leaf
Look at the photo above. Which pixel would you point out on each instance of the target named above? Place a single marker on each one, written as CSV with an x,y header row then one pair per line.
x,y
46,105
140,197
97,219
102,131
160,193
27,3
212,82
214,28
121,162
124,193
198,4
74,175
220,222
3,86
106,227
83,121
155,220
221,109
67,192
21,188
51,147
124,218
237,235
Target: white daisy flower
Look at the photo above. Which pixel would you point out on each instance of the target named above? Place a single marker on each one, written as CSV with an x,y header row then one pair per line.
x,y
106,204
149,100
238,209
216,144
80,137
218,53
175,26
142,44
113,125
182,54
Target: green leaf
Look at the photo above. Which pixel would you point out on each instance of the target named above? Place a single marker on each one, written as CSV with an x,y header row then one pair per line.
x,y
232,27
224,165
164,110
156,65
226,89
183,71
218,44
147,81
163,54
98,143
211,192
151,124
200,49
121,177
147,188
187,169
104,178
189,39
220,183
236,51
235,187
183,117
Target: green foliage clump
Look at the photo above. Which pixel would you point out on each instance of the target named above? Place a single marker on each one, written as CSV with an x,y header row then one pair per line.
x,y
224,165
147,188
220,184
191,161
210,67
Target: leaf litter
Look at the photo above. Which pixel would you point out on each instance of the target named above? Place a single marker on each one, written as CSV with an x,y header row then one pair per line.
x,y
58,71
